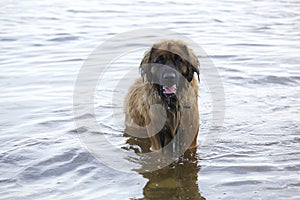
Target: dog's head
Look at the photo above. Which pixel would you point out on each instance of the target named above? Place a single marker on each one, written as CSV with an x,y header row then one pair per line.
x,y
167,64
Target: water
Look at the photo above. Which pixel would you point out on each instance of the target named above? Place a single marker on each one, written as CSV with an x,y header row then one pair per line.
x,y
255,47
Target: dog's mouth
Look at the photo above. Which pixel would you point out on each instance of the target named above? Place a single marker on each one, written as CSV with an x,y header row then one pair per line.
x,y
169,90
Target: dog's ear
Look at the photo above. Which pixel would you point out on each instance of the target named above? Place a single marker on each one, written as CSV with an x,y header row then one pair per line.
x,y
195,65
192,62
145,65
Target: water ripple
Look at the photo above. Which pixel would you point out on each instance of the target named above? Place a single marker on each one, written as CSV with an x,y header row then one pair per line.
x,y
253,44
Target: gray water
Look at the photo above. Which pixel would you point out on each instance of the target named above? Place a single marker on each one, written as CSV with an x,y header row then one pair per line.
x,y
253,44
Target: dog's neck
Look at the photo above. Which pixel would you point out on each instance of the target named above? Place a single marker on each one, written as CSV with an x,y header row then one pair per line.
x,y
173,110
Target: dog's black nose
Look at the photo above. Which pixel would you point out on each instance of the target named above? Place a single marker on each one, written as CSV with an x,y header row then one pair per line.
x,y
169,76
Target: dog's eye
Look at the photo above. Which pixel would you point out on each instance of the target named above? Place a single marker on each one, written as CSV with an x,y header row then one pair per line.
x,y
160,60
178,60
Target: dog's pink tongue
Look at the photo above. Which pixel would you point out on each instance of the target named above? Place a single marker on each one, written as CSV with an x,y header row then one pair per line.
x,y
170,90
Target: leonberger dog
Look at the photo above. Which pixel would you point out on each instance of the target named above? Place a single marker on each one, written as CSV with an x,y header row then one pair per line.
x,y
164,100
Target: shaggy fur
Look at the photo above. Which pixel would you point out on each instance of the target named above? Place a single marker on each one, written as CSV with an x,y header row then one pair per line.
x,y
163,115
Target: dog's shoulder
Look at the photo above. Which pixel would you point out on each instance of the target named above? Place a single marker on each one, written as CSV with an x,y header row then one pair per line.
x,y
135,103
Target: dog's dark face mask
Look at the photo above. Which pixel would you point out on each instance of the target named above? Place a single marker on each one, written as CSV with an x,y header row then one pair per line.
x,y
165,74
169,68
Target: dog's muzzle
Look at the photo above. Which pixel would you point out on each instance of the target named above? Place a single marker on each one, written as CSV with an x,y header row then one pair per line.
x,y
169,81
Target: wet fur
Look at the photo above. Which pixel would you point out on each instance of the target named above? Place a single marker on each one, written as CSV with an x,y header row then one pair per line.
x,y
144,93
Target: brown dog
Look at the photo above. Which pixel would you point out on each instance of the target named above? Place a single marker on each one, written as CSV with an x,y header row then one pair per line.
x,y
164,100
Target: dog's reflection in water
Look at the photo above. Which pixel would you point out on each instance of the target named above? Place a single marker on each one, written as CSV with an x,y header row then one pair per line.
x,y
176,181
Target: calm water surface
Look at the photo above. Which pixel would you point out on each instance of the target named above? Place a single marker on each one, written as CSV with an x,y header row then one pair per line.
x,y
255,47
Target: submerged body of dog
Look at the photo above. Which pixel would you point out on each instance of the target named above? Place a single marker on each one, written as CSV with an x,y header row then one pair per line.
x,y
164,101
